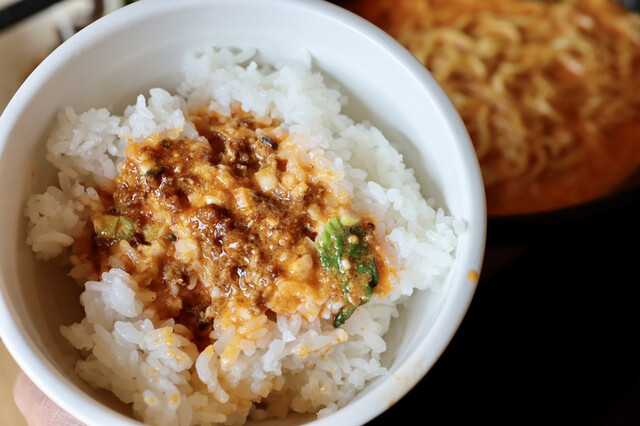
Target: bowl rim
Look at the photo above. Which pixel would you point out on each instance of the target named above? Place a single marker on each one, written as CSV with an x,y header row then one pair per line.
x,y
66,394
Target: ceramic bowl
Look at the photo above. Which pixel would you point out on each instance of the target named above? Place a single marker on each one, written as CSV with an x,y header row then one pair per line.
x,y
140,47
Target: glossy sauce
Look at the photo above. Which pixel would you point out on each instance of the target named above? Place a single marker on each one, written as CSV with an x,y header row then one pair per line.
x,y
223,227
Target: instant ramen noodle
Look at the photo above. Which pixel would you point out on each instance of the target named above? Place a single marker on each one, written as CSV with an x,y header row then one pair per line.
x,y
549,90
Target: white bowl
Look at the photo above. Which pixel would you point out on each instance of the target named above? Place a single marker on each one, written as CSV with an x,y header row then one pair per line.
x,y
140,47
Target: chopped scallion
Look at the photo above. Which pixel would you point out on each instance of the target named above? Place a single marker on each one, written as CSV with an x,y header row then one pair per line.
x,y
113,227
340,246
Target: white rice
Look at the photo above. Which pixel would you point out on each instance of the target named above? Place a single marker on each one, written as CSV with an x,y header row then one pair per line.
x,y
145,361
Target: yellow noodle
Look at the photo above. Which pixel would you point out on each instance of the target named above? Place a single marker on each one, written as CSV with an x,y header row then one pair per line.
x,y
546,89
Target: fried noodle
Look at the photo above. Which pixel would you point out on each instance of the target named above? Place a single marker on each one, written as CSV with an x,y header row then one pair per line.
x,y
549,91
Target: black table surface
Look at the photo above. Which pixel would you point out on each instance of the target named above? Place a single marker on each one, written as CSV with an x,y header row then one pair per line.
x,y
550,336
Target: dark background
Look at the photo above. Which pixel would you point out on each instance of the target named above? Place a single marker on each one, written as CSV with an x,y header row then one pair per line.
x,y
550,336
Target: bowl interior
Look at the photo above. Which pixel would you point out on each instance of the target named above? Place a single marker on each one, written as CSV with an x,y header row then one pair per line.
x,y
140,47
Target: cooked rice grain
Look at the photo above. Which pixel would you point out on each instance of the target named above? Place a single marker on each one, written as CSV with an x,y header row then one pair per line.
x,y
287,363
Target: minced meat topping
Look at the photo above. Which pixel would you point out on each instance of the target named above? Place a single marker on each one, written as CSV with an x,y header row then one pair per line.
x,y
224,227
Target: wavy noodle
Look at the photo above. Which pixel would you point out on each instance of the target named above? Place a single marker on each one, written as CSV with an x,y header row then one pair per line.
x,y
546,89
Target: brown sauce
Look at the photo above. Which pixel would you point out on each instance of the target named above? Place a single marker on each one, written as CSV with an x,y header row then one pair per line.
x,y
220,229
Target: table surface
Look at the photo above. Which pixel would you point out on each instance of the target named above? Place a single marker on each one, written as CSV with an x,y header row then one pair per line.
x,y
551,333
10,414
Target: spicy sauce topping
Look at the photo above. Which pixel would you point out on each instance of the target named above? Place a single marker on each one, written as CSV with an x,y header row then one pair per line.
x,y
223,228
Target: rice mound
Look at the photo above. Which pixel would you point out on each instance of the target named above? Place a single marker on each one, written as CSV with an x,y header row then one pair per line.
x,y
267,367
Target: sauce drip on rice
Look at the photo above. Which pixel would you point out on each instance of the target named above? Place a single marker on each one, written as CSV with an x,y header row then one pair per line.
x,y
223,228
